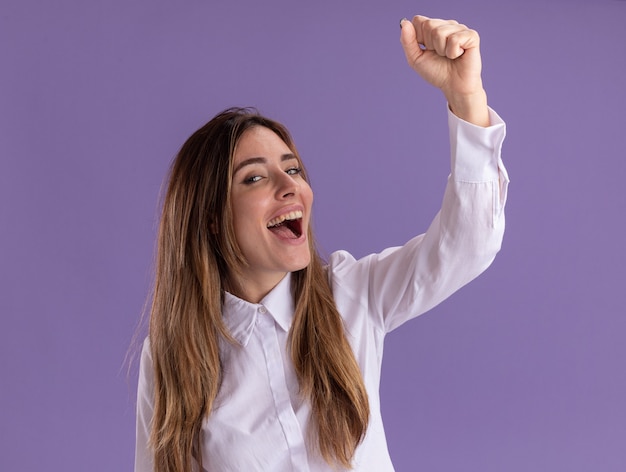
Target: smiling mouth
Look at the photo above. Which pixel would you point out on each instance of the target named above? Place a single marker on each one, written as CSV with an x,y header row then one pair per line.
x,y
288,225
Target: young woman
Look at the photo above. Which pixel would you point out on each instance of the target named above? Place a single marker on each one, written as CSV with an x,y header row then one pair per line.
x,y
260,356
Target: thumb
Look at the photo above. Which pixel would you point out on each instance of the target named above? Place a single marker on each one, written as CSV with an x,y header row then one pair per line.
x,y
408,39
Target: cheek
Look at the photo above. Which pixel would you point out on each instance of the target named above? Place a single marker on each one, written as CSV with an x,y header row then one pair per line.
x,y
307,194
239,209
246,215
241,221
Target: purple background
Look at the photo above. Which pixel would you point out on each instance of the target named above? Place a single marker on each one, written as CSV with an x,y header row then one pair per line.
x,y
522,370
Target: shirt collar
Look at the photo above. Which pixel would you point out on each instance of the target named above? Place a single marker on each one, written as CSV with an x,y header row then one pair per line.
x,y
240,315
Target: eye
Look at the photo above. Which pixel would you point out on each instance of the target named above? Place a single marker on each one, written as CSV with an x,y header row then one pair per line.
x,y
252,179
294,171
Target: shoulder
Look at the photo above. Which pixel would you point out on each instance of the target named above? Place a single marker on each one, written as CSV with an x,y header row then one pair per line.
x,y
346,270
340,259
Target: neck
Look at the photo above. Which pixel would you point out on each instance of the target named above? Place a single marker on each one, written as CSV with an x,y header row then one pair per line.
x,y
252,290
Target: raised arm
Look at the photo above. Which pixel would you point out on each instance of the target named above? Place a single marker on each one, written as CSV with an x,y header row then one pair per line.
x,y
402,282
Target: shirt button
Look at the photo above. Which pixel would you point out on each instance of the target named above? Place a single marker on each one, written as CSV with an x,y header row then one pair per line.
x,y
262,310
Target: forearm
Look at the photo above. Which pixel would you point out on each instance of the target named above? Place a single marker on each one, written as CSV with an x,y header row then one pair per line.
x,y
472,214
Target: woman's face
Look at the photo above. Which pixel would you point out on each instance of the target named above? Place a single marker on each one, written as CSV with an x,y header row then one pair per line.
x,y
271,207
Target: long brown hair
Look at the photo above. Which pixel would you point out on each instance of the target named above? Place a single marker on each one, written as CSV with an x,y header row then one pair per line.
x,y
193,262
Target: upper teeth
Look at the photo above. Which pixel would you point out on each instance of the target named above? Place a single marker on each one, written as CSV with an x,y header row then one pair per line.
x,y
292,215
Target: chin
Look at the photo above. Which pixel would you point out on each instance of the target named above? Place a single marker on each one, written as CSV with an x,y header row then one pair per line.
x,y
303,264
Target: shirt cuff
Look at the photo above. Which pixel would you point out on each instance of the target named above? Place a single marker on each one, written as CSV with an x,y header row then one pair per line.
x,y
475,151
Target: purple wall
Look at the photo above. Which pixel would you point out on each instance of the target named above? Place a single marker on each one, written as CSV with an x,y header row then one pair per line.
x,y
522,370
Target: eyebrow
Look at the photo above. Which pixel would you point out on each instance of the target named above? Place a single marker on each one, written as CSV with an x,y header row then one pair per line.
x,y
261,160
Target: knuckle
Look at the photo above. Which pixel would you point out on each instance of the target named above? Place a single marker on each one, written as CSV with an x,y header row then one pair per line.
x,y
475,34
428,24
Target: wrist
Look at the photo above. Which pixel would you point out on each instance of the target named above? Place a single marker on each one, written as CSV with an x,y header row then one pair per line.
x,y
471,107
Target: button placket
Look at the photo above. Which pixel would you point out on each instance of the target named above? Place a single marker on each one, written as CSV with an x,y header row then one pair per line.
x,y
285,414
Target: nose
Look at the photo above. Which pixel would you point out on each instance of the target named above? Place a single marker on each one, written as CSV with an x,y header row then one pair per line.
x,y
286,186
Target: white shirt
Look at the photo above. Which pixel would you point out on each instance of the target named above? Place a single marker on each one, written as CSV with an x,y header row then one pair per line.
x,y
259,422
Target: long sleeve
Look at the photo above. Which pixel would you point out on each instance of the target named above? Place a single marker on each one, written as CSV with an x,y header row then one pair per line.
x,y
143,453
402,282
